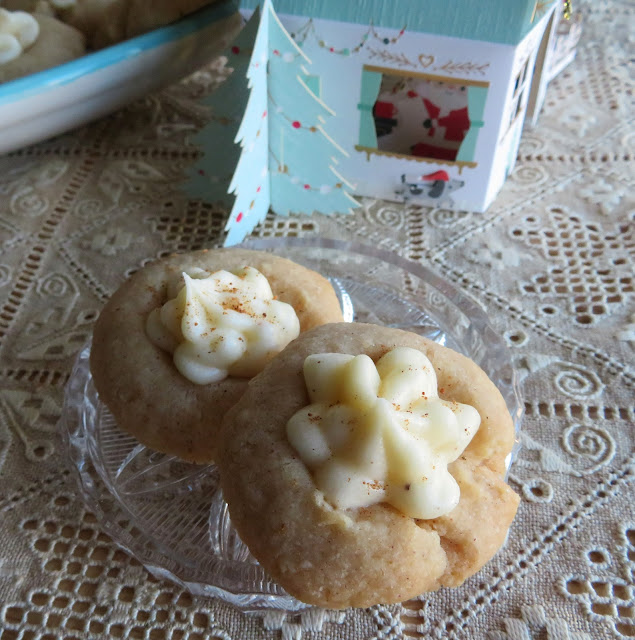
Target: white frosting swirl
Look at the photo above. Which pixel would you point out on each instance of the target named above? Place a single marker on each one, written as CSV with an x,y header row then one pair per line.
x,y
380,433
18,31
222,324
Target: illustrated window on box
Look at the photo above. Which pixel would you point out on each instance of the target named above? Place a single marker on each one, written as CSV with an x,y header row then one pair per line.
x,y
420,115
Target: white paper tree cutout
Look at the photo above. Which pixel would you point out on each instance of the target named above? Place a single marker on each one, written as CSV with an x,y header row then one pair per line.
x,y
250,182
287,161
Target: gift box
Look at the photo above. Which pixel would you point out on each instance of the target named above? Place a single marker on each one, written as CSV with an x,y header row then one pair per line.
x,y
412,101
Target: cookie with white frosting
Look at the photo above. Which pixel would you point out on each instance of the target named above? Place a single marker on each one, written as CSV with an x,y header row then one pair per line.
x,y
35,42
105,22
175,346
366,465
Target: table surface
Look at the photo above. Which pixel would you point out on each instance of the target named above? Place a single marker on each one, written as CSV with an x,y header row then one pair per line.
x,y
551,261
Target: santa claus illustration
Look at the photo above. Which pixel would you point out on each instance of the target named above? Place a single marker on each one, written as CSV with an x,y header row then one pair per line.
x,y
422,117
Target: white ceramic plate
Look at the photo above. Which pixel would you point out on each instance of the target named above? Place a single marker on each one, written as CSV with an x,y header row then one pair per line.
x,y
56,100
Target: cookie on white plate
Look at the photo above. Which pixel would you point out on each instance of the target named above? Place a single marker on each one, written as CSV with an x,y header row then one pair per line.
x,y
35,42
106,22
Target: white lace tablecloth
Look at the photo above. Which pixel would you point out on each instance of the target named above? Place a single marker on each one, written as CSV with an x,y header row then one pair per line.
x,y
551,261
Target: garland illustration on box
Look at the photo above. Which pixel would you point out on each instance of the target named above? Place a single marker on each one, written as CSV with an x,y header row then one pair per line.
x,y
308,29
304,123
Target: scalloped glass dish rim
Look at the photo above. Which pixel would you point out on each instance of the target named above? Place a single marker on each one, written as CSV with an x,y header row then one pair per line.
x,y
258,601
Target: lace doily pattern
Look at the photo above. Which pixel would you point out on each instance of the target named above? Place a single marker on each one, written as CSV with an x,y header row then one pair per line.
x,y
551,261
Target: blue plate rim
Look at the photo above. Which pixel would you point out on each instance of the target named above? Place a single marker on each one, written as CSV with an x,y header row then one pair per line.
x,y
35,83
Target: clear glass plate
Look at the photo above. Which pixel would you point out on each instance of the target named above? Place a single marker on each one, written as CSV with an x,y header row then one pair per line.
x,y
170,514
